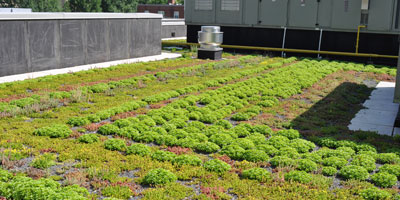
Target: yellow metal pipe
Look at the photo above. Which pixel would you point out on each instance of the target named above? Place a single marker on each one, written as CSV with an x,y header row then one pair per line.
x,y
288,50
358,36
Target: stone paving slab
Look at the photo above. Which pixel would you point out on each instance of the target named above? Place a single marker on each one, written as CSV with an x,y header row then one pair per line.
x,y
380,129
20,77
380,112
377,117
380,104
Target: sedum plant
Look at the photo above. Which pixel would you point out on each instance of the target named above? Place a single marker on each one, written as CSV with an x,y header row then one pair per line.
x,y
269,149
289,133
5,176
21,187
329,171
306,165
233,151
244,143
138,149
365,161
89,138
117,192
262,129
108,129
278,141
301,145
375,194
78,121
187,160
44,161
391,169
207,147
383,179
282,161
388,158
254,155
298,176
115,144
289,152
217,166
54,131
221,139
258,174
159,177
163,156
334,162
354,172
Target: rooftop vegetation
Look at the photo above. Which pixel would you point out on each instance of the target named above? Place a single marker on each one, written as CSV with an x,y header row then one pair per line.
x,y
247,127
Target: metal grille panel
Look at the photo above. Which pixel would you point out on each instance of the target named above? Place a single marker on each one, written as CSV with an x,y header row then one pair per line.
x,y
203,4
230,5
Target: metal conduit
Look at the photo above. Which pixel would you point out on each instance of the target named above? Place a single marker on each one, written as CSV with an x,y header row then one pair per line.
x,y
289,50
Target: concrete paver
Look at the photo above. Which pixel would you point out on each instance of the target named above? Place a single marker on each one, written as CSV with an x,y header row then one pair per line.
x,y
380,112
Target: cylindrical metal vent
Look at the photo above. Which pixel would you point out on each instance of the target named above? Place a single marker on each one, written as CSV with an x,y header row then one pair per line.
x,y
210,37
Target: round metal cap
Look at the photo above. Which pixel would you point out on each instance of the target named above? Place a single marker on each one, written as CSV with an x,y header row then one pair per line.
x,y
210,29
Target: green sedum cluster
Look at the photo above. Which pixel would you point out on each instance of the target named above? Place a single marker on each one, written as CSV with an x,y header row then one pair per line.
x,y
78,121
258,174
354,172
391,169
334,162
298,176
329,171
375,194
383,179
44,161
306,165
365,161
187,160
289,133
19,187
207,147
163,156
138,149
54,131
217,166
159,177
89,138
115,144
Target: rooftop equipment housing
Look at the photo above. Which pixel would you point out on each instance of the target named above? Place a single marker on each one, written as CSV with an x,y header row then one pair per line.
x,y
326,25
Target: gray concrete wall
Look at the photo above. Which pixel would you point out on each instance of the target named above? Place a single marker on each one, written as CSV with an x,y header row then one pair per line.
x,y
29,44
397,88
171,27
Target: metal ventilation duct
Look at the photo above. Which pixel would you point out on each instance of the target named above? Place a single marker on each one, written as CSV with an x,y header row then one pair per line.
x,y
210,37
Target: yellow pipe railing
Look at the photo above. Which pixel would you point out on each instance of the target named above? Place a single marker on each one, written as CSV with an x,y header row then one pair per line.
x,y
358,36
288,50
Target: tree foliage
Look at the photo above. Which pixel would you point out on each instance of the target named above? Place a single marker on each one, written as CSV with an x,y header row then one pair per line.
x,y
124,6
153,1
36,5
83,5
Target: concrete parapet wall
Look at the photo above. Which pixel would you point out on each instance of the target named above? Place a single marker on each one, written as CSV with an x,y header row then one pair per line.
x,y
173,28
44,41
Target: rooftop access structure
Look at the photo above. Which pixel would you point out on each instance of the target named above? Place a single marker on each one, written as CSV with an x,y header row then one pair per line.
x,y
348,26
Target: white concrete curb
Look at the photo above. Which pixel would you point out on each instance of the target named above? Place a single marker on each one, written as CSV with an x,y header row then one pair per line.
x,y
20,77
69,15
175,38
